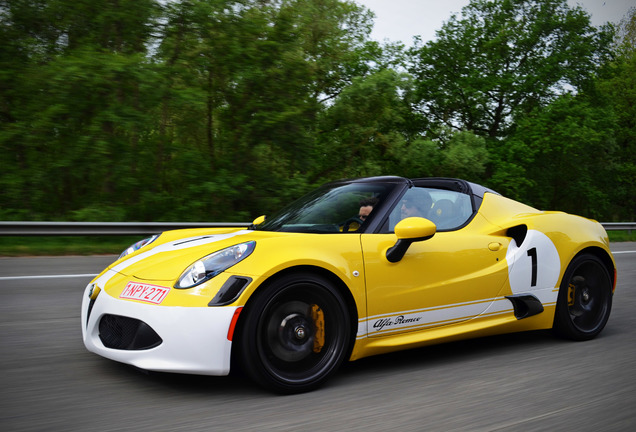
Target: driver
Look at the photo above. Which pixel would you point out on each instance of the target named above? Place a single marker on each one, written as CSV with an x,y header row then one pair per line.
x,y
366,207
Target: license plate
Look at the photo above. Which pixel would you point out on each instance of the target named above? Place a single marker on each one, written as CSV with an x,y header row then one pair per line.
x,y
145,292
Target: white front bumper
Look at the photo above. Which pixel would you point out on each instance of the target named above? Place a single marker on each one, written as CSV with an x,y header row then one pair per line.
x,y
194,338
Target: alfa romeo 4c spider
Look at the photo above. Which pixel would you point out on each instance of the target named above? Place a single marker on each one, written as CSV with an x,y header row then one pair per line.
x,y
353,269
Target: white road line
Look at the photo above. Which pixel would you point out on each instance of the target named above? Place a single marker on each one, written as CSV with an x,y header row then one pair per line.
x,y
47,276
622,252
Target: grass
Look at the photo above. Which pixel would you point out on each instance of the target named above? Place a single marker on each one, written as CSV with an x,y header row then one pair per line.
x,y
622,236
106,245
54,246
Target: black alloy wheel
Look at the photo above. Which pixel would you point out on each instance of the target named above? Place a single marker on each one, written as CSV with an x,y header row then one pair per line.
x,y
296,334
585,299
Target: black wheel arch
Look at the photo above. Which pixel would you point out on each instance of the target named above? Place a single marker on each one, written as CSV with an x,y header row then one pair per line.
x,y
338,283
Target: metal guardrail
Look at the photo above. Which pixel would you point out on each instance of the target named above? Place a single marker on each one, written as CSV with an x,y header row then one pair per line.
x,y
103,228
619,226
147,228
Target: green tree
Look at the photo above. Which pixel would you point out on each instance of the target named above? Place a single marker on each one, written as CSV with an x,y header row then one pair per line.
x,y
465,156
570,153
503,58
503,70
363,130
617,91
259,73
76,109
224,109
197,109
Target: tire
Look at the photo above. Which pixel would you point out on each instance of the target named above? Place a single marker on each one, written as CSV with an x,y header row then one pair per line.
x,y
585,299
295,335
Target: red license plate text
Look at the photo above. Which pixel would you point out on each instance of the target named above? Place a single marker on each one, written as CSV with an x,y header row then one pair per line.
x,y
145,292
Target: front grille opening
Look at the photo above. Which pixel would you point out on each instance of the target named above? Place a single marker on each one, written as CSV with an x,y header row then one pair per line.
x,y
123,333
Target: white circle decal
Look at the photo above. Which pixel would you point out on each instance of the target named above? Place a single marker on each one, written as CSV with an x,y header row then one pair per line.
x,y
533,266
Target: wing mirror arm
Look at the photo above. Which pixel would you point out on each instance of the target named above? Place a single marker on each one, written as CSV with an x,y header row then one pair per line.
x,y
408,231
396,252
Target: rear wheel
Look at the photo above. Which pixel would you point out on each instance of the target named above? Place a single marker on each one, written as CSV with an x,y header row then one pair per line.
x,y
295,335
585,299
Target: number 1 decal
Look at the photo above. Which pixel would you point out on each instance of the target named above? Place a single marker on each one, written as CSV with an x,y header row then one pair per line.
x,y
532,253
524,272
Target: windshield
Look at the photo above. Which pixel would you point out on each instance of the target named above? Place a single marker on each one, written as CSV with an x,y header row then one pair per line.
x,y
330,209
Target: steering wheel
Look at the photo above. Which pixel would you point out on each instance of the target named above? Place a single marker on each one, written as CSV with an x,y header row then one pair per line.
x,y
345,225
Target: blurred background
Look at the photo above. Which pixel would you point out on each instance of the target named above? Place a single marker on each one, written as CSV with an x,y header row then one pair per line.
x,y
218,110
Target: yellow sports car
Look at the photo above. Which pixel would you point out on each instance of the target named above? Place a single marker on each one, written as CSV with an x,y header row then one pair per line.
x,y
356,268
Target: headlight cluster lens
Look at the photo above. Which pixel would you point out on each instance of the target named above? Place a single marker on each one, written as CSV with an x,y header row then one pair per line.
x,y
210,266
138,245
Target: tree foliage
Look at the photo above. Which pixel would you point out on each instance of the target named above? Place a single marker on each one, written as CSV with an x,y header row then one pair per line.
x,y
227,109
525,75
502,59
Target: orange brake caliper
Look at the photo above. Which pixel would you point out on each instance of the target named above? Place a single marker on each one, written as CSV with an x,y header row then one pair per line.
x,y
318,316
571,291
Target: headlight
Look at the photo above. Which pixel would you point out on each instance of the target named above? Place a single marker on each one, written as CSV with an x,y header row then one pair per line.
x,y
210,266
138,245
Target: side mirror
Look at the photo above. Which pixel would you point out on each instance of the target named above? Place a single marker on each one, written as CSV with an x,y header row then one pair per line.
x,y
409,230
259,220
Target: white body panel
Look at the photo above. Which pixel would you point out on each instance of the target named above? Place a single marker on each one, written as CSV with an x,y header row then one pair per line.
x,y
194,338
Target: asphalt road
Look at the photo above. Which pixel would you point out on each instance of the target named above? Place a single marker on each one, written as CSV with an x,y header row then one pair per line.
x,y
519,382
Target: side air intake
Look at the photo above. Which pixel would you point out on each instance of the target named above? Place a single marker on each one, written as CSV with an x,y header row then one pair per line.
x,y
525,305
518,233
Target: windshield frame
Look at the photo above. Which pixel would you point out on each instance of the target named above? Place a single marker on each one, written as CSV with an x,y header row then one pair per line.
x,y
386,189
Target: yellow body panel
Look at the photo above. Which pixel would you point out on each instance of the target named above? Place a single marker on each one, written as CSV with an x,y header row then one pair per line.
x,y
465,267
446,269
570,233
275,252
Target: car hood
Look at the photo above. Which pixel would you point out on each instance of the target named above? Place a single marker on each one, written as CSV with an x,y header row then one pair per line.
x,y
173,252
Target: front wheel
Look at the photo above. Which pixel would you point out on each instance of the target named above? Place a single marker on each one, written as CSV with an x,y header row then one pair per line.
x,y
585,299
295,335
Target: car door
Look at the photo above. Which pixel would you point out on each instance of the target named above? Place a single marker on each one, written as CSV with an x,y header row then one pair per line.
x,y
452,277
